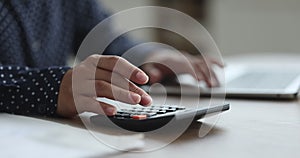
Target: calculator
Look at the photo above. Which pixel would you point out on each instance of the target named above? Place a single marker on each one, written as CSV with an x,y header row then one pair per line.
x,y
144,119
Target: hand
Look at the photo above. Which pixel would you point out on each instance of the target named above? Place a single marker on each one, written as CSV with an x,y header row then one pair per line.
x,y
167,63
101,76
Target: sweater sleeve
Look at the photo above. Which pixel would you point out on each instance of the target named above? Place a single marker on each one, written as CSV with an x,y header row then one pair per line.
x,y
30,91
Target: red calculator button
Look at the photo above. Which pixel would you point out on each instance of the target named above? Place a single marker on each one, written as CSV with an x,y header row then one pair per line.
x,y
139,117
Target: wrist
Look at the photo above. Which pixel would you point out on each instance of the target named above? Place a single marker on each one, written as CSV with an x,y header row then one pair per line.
x,y
66,106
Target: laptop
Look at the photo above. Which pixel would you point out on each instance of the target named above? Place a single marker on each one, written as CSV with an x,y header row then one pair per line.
x,y
241,81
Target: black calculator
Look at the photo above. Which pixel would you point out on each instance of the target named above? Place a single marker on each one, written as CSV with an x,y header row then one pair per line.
x,y
144,119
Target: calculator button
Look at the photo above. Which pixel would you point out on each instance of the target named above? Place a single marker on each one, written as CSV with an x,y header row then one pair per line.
x,y
173,107
164,106
180,108
153,111
123,115
151,114
139,117
154,108
161,112
120,118
125,110
171,110
142,113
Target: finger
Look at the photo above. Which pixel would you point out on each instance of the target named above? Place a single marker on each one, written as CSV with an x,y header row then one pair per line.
x,y
195,72
216,62
199,76
105,89
203,69
118,81
123,67
101,88
146,100
92,105
200,68
210,60
108,109
214,79
154,73
211,75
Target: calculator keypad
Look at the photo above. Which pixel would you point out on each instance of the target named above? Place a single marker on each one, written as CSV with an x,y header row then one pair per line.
x,y
141,113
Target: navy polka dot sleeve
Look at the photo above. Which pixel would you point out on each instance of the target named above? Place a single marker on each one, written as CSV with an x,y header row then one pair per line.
x,y
30,91
42,34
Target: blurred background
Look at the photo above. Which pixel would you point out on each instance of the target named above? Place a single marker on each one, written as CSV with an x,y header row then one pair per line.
x,y
237,26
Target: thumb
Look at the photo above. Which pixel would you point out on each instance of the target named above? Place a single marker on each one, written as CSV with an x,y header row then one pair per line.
x,y
155,75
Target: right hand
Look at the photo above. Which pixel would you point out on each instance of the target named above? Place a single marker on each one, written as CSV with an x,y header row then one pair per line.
x,y
101,76
164,64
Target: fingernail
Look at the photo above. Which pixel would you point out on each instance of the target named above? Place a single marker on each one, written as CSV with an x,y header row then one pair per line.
x,y
147,99
142,77
135,97
110,111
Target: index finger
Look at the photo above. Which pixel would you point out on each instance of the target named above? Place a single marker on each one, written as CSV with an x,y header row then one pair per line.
x,y
123,67
217,62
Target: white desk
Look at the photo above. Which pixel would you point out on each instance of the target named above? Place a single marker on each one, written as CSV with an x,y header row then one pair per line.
x,y
252,128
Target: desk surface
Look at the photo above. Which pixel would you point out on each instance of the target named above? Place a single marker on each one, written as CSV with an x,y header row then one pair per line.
x,y
252,128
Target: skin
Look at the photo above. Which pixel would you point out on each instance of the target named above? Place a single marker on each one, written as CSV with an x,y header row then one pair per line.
x,y
179,63
107,75
115,78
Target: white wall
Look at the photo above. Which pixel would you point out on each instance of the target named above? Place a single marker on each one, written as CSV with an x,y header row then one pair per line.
x,y
241,26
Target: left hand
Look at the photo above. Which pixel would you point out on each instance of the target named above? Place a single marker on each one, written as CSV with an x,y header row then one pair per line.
x,y
166,63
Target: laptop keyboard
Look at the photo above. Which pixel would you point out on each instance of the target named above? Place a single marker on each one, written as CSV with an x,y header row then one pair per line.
x,y
260,80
